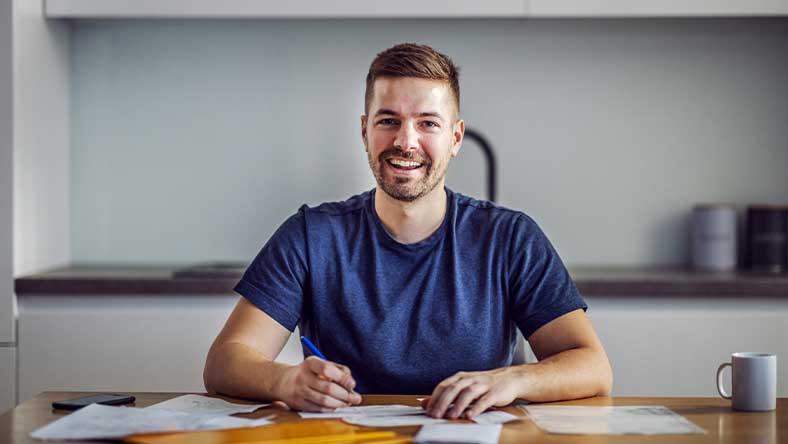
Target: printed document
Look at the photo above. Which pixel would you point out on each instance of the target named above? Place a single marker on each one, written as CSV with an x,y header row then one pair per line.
x,y
98,421
378,415
391,421
494,417
609,420
367,410
205,405
459,433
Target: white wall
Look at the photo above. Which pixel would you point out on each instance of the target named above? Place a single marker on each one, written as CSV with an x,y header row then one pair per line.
x,y
7,318
41,140
194,140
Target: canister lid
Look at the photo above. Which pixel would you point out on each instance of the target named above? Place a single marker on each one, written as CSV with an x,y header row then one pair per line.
x,y
777,207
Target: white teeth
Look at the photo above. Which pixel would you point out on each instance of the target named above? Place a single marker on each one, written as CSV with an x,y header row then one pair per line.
x,y
404,163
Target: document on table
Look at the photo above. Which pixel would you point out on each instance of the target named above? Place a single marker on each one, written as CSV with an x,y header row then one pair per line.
x,y
205,405
98,421
459,433
378,415
391,421
367,410
494,417
610,420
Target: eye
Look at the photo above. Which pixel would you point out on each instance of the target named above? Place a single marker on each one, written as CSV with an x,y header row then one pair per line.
x,y
387,122
430,124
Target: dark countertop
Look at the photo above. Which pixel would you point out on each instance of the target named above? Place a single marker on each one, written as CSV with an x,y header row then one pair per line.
x,y
221,278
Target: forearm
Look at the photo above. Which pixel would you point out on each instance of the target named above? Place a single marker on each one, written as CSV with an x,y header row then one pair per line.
x,y
237,370
571,374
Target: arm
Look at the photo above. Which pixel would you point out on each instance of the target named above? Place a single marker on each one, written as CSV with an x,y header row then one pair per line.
x,y
572,364
241,363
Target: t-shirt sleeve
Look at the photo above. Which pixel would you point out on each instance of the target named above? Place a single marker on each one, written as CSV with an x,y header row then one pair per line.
x,y
541,288
275,279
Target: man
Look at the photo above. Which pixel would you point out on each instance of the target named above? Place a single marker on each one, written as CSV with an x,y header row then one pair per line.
x,y
410,287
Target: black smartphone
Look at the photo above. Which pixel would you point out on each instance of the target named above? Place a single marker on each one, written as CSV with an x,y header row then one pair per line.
x,y
100,398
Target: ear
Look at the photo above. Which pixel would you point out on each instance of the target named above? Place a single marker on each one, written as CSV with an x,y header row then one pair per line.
x,y
364,130
458,132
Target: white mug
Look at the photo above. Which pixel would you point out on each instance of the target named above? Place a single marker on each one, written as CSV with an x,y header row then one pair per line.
x,y
753,381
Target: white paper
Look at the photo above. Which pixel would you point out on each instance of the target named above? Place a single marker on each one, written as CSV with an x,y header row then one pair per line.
x,y
459,433
204,405
392,421
367,410
378,415
98,421
494,417
644,420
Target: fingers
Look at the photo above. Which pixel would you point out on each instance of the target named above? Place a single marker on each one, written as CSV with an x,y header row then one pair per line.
x,y
333,380
334,390
331,371
465,398
440,403
484,403
440,388
323,399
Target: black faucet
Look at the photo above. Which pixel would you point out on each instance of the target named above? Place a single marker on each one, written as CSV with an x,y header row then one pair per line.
x,y
489,157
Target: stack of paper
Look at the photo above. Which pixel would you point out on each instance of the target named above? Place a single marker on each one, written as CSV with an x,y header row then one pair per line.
x,y
399,415
495,417
378,415
189,412
459,433
645,420
204,405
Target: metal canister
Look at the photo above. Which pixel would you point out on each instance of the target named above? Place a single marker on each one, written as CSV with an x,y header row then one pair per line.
x,y
714,232
767,230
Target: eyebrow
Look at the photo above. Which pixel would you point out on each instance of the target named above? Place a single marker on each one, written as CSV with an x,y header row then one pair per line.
x,y
388,112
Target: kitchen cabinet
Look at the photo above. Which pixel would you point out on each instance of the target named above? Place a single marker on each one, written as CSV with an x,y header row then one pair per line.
x,y
671,346
658,346
7,378
7,316
408,8
6,174
288,9
671,8
121,343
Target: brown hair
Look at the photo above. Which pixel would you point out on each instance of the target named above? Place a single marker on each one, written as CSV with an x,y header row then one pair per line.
x,y
413,60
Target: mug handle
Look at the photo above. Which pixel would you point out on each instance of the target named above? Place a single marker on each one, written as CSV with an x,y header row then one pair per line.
x,y
719,380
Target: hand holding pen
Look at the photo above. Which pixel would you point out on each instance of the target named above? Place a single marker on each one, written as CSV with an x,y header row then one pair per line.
x,y
317,384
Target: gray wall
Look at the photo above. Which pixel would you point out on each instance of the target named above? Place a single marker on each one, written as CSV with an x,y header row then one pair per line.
x,y
194,140
42,132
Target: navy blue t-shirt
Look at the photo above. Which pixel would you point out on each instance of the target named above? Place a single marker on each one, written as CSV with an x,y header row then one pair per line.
x,y
404,317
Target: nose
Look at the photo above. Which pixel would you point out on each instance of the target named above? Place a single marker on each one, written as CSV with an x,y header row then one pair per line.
x,y
407,137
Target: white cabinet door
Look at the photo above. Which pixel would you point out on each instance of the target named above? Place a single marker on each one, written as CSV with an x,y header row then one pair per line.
x,y
672,346
642,8
7,378
6,174
129,343
291,8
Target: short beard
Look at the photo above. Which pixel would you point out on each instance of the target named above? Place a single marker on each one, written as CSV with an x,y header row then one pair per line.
x,y
399,190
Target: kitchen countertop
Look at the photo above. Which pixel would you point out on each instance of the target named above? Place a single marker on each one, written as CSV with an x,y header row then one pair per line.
x,y
220,278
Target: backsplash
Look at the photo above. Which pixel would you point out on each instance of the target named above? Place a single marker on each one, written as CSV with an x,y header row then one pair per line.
x,y
194,140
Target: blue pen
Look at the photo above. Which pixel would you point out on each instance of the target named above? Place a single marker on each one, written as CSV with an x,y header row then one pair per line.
x,y
312,348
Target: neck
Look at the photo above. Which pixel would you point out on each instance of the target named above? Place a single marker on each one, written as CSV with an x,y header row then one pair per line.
x,y
411,222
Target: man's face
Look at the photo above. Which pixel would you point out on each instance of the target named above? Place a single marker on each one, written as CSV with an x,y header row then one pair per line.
x,y
410,133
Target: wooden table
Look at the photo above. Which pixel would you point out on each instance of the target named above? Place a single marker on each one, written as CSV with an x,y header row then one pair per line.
x,y
722,424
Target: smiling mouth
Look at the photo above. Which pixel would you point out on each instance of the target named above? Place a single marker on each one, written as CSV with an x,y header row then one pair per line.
x,y
404,165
